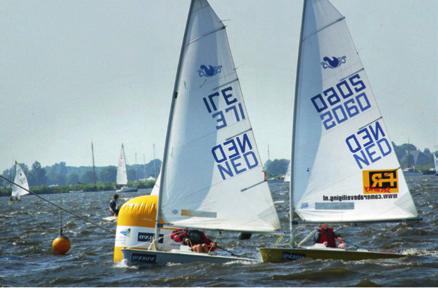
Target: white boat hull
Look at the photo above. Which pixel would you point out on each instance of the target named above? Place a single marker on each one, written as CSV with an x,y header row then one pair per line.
x,y
126,189
140,257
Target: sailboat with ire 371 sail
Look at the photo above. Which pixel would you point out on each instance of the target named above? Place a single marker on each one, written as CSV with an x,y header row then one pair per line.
x,y
212,175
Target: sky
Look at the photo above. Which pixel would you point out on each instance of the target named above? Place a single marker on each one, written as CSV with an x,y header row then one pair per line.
x,y
76,71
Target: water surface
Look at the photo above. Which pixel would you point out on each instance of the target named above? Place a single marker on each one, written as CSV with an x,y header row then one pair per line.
x,y
28,227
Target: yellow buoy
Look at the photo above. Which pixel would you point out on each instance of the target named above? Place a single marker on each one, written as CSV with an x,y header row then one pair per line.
x,y
136,225
61,245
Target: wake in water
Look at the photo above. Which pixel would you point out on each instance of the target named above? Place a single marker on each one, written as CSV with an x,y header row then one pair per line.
x,y
419,252
123,264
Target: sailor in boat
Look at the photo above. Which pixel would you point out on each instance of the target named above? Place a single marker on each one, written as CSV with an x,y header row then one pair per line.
x,y
114,210
325,235
195,239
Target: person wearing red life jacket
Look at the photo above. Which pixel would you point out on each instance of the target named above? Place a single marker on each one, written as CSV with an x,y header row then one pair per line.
x,y
195,239
325,235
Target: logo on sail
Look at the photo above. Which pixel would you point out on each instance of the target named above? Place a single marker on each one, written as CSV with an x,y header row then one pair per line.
x,y
209,70
333,62
380,181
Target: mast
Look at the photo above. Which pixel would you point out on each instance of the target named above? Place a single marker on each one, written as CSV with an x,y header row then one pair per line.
x,y
169,127
135,169
94,166
144,166
269,154
292,170
126,166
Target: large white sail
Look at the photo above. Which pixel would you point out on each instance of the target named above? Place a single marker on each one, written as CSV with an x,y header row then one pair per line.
x,y
213,177
122,178
345,167
20,179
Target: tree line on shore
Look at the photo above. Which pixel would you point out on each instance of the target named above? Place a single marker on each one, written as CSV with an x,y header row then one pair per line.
x,y
408,155
62,178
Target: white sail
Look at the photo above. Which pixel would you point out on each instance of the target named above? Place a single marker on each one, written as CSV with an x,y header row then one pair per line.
x,y
213,177
122,178
156,189
435,162
287,175
345,167
20,179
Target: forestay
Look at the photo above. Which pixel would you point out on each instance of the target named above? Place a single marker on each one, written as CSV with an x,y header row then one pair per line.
x,y
122,178
213,177
345,167
20,179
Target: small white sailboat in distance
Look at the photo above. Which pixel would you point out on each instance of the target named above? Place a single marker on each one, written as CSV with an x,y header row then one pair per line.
x,y
287,175
212,175
122,176
435,162
20,179
344,167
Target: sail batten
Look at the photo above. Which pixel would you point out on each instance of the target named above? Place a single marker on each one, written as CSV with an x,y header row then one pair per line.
x,y
205,35
345,168
212,155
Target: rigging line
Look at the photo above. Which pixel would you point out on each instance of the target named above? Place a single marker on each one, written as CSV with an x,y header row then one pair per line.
x,y
225,84
368,124
57,206
322,28
351,74
240,133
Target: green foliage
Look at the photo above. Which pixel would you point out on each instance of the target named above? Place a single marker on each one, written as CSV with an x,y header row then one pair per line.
x,y
144,184
408,155
37,176
108,174
87,177
277,167
44,189
61,174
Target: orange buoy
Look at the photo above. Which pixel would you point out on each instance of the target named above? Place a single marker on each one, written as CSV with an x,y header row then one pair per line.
x,y
61,245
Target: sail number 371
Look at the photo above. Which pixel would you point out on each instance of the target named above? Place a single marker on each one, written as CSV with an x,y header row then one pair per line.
x,y
341,102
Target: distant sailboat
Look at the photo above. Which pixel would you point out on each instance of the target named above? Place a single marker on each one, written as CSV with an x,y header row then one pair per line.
x,y
212,176
122,177
412,170
94,166
20,179
344,167
287,175
434,169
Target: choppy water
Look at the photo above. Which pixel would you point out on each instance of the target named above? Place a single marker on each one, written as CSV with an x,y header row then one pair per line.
x,y
27,229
